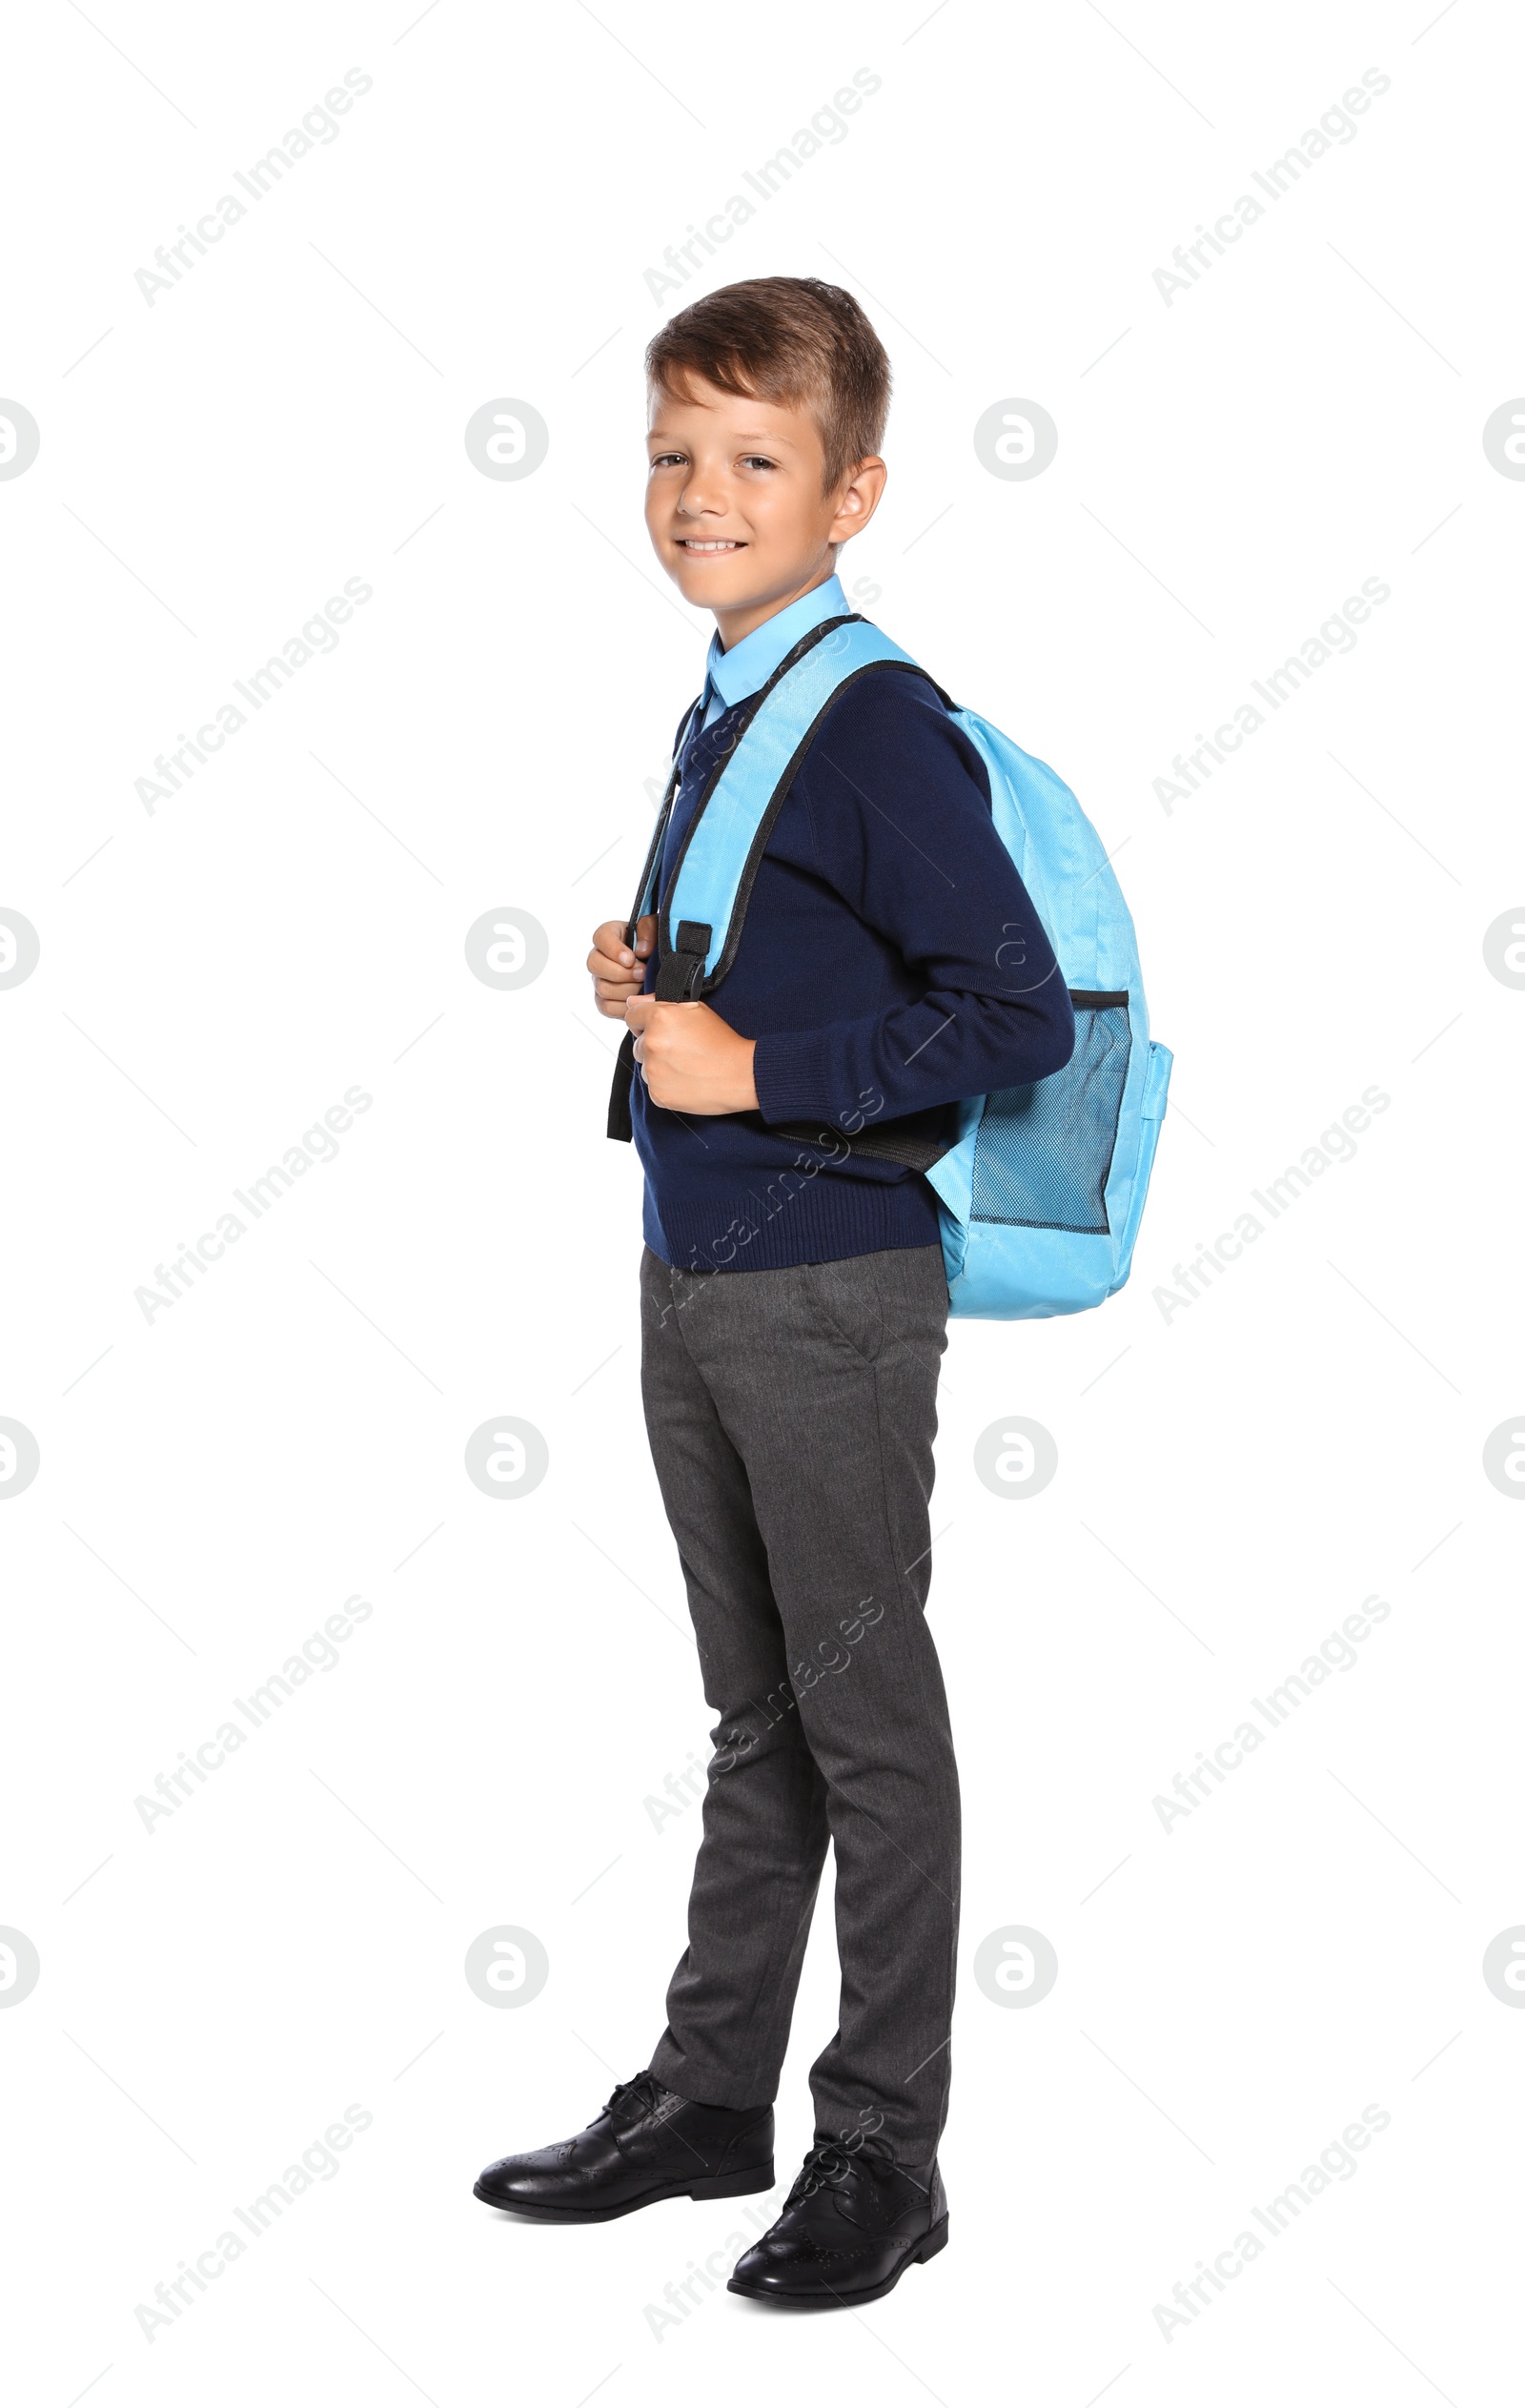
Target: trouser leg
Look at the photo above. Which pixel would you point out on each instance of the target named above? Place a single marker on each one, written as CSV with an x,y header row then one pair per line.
x,y
764,1822
821,1382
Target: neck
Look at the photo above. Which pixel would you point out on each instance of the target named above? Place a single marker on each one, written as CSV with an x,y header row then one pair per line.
x,y
732,626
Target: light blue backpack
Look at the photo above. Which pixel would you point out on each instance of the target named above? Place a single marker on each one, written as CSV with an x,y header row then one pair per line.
x,y
1041,1188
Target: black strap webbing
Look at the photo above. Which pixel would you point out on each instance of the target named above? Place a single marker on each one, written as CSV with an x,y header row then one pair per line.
x,y
619,1125
680,976
681,973
625,1070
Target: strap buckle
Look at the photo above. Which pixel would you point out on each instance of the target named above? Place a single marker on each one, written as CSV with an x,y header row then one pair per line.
x,y
681,973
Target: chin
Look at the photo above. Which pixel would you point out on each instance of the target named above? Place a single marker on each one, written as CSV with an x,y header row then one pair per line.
x,y
711,588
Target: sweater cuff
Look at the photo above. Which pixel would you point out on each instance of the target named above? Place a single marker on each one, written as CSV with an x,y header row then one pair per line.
x,y
789,1072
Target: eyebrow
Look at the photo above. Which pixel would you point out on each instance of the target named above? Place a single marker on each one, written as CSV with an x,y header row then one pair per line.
x,y
768,442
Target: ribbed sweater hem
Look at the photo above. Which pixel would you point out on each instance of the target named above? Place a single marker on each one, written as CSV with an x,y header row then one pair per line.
x,y
827,1221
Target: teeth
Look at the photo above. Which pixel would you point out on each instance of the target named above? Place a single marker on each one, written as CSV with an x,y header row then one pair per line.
x,y
690,544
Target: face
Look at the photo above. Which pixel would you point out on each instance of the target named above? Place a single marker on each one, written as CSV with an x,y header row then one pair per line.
x,y
734,507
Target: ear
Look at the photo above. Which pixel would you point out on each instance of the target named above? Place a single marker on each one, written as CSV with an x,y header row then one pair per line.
x,y
857,500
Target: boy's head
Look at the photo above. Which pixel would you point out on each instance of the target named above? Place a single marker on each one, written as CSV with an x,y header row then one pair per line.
x,y
768,402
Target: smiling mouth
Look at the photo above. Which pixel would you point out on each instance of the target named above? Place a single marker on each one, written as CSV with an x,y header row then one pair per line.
x,y
691,543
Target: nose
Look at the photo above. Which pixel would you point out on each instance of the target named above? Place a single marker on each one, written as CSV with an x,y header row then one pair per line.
x,y
696,502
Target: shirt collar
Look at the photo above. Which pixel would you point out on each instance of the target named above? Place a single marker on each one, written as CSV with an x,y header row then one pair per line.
x,y
748,665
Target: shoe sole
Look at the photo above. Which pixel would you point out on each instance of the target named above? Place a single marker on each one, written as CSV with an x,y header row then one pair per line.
x,y
726,2186
936,2239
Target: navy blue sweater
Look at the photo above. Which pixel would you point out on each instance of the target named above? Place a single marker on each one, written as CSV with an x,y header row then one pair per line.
x,y
871,974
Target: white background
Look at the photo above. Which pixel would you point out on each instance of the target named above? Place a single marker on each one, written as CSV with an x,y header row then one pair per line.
x,y
1233,1480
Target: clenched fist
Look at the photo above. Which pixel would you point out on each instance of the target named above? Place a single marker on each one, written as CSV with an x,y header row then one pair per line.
x,y
691,1060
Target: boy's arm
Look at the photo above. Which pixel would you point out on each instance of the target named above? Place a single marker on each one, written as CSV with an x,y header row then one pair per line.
x,y
903,831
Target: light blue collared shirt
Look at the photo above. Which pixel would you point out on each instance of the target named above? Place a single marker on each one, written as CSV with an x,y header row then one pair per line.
x,y
731,676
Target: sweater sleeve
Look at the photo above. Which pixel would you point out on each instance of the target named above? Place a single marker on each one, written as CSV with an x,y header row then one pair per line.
x,y
900,808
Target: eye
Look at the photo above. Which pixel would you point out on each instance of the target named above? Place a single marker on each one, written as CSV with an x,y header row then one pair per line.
x,y
667,459
756,459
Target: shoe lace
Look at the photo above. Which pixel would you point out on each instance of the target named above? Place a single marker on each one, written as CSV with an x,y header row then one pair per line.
x,y
827,2164
635,2097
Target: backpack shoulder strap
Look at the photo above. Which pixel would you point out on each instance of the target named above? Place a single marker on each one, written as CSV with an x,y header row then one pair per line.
x,y
703,908
619,1121
647,892
702,914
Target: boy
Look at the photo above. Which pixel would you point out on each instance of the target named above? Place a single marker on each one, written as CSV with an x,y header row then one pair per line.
x,y
792,1325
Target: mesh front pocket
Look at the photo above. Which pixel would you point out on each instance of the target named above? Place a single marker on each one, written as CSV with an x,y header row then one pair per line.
x,y
1042,1153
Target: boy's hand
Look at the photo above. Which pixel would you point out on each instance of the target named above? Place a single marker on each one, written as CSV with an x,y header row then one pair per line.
x,y
691,1060
617,973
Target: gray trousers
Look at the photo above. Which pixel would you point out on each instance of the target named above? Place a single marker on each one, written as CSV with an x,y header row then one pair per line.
x,y
791,1416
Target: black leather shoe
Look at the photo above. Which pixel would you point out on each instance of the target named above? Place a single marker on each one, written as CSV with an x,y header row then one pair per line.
x,y
850,2227
646,2144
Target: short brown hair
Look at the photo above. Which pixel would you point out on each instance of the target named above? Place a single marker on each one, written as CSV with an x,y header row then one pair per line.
x,y
784,338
